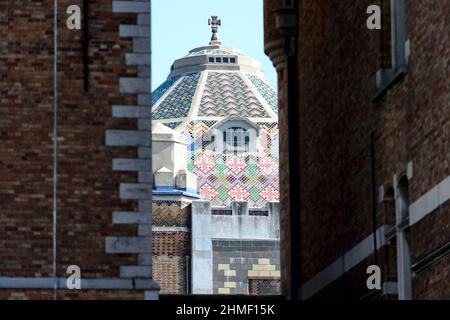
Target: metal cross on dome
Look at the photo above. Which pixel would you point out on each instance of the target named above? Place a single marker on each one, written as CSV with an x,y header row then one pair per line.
x,y
214,22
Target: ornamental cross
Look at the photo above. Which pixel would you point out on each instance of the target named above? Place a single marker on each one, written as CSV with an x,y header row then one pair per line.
x,y
214,22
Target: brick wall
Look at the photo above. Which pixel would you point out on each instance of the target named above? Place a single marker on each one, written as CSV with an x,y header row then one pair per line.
x,y
171,213
261,287
171,273
338,58
172,249
35,294
433,283
236,262
274,48
88,189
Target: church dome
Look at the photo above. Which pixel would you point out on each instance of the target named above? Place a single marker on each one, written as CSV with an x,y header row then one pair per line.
x,y
214,82
215,95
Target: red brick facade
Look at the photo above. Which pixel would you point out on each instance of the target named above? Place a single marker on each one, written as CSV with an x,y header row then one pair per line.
x,y
33,294
274,48
171,252
261,287
88,189
172,244
170,273
409,125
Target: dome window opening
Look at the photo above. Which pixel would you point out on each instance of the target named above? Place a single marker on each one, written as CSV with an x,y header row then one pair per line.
x,y
211,59
226,60
237,140
219,60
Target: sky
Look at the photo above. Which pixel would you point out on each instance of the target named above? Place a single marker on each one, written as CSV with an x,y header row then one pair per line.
x,y
181,25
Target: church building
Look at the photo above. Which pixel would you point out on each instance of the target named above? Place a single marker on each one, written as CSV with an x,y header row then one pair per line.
x,y
219,100
215,167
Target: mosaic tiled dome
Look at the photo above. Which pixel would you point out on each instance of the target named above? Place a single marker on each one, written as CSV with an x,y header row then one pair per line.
x,y
206,87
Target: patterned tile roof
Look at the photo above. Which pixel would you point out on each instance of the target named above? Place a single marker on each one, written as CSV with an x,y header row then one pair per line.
x,y
173,125
199,89
162,89
224,178
201,95
222,94
178,102
226,94
266,91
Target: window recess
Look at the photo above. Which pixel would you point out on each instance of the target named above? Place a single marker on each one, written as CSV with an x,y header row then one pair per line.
x,y
394,48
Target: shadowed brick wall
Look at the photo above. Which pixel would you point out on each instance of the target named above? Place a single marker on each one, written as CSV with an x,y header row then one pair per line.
x,y
274,49
338,59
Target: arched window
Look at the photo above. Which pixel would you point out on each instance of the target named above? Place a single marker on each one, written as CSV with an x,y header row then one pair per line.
x,y
403,195
236,140
403,240
389,206
233,135
390,251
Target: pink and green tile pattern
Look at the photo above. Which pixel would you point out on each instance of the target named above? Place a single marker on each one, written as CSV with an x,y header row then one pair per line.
x,y
226,178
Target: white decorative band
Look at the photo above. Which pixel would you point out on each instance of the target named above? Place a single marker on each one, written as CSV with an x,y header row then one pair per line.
x,y
171,229
424,206
430,201
334,271
100,283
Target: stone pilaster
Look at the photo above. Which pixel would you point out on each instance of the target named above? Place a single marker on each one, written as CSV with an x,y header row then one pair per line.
x,y
141,191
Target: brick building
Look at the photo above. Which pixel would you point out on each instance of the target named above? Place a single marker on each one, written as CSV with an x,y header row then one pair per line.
x,y
49,224
369,113
78,187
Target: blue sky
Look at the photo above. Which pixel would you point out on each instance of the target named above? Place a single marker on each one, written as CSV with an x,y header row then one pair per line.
x,y
181,25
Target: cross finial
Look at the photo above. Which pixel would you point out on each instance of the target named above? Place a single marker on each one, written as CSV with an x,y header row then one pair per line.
x,y
214,22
